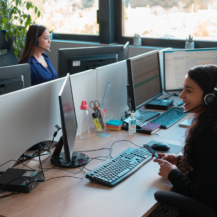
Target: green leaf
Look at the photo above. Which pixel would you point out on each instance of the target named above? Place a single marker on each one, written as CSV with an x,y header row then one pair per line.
x,y
39,13
6,36
17,2
36,10
5,20
27,5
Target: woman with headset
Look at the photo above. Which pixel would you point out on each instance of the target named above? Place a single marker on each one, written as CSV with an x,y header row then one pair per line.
x,y
37,41
195,173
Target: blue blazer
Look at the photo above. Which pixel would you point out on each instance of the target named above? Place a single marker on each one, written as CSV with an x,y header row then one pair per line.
x,y
40,74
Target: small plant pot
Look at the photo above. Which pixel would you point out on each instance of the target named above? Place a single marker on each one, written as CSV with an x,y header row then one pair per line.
x,y
137,41
51,36
189,45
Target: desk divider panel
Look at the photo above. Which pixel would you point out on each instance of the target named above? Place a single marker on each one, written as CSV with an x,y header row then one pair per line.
x,y
117,101
29,116
161,62
84,87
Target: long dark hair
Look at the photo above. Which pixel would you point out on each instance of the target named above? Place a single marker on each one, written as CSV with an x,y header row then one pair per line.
x,y
206,77
31,38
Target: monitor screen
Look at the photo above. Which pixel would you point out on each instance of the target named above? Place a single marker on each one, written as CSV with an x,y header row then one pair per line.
x,y
69,158
14,78
68,118
144,79
178,62
74,60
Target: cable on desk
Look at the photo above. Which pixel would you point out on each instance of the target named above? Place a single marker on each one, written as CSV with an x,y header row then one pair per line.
x,y
15,193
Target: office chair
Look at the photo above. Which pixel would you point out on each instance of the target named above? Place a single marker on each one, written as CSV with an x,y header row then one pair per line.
x,y
184,204
8,58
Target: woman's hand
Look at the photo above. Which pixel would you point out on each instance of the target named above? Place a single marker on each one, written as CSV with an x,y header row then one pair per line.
x,y
165,167
172,158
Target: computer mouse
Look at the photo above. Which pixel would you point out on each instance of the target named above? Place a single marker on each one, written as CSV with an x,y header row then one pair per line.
x,y
160,146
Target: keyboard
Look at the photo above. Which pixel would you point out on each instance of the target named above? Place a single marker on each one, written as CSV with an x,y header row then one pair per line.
x,y
169,117
120,167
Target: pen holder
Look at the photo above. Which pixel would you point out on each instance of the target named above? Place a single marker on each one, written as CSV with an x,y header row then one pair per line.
x,y
98,120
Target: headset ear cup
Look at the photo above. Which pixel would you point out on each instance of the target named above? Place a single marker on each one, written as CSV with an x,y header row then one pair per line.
x,y
209,98
36,43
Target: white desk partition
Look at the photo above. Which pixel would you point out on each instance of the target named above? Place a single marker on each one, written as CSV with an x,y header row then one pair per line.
x,y
29,116
117,101
161,62
84,87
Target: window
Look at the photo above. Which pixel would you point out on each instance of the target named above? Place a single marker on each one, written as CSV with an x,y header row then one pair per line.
x,y
69,16
167,23
170,19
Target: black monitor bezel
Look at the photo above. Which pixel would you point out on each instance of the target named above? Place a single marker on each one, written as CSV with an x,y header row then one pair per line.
x,y
68,153
131,90
121,50
16,70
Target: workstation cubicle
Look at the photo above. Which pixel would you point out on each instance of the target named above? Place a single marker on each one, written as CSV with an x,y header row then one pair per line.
x,y
29,116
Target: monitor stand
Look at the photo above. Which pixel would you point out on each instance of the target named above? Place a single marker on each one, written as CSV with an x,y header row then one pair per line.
x,y
58,157
145,115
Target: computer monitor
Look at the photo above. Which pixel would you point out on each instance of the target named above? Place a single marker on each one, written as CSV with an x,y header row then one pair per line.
x,y
68,158
178,62
14,78
144,79
74,60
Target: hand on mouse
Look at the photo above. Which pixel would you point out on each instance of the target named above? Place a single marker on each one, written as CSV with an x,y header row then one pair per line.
x,y
172,158
165,167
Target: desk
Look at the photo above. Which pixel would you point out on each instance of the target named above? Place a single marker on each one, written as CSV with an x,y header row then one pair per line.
x,y
67,197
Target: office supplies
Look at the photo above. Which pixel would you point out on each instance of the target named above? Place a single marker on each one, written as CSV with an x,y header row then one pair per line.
x,y
152,151
169,117
150,127
31,176
95,106
79,59
141,129
106,94
178,62
144,80
69,129
186,123
159,104
120,167
96,121
160,146
114,124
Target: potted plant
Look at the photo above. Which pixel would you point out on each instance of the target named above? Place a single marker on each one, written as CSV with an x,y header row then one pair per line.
x,y
51,34
14,21
189,44
137,41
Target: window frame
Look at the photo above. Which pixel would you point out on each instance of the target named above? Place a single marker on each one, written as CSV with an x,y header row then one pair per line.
x,y
154,42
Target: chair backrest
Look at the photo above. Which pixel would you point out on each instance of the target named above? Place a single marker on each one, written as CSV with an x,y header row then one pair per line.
x,y
5,44
8,58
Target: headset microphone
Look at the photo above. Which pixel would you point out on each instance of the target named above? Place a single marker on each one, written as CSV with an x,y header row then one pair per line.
x,y
194,108
43,48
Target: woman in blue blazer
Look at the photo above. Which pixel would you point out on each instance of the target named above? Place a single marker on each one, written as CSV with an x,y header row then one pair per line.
x,y
37,41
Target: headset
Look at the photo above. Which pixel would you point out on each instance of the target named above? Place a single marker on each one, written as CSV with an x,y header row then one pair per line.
x,y
207,100
36,39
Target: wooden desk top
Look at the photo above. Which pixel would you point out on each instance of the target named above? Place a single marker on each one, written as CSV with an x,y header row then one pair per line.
x,y
67,197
